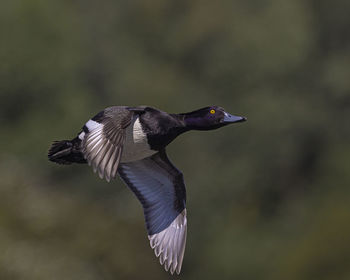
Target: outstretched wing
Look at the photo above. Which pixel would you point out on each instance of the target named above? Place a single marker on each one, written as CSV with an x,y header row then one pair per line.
x,y
103,140
160,188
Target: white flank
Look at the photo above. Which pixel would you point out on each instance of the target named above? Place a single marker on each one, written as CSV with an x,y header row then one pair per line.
x,y
169,244
138,135
135,146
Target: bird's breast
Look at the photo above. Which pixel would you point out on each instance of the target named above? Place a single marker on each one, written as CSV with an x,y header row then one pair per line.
x,y
136,146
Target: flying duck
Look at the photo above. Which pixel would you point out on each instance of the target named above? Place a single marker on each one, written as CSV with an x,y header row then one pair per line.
x,y
131,142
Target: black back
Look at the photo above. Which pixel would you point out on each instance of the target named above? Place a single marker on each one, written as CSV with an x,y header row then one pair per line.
x,y
161,128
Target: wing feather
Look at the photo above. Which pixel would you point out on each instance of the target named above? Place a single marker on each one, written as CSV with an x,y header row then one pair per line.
x,y
160,188
104,140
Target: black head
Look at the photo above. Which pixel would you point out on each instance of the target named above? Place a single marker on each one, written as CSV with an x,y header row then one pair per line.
x,y
208,118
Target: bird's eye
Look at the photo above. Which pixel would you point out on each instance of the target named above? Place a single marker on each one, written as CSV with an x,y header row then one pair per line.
x,y
212,111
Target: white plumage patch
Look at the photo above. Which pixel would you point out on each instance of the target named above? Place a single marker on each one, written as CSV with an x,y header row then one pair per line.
x,y
92,125
138,135
136,146
169,244
81,135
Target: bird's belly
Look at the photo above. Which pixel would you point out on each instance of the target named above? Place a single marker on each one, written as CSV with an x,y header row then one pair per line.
x,y
136,146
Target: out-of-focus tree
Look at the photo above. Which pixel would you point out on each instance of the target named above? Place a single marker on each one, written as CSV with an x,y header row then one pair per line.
x,y
268,199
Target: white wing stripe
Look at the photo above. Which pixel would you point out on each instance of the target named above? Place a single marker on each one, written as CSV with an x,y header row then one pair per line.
x,y
169,244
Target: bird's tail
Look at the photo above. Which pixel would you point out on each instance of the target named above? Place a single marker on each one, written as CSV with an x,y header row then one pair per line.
x,y
66,152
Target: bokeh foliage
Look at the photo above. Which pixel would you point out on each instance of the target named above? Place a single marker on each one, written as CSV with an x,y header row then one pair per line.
x,y
267,199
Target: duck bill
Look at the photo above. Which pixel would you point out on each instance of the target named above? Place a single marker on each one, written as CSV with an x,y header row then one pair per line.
x,y
232,119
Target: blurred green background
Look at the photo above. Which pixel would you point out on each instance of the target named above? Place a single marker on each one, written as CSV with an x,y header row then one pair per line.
x,y
267,199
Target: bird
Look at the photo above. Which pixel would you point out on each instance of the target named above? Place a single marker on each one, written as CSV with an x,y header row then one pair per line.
x,y
131,142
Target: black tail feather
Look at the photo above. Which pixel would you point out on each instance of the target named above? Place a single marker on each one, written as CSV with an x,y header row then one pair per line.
x,y
66,152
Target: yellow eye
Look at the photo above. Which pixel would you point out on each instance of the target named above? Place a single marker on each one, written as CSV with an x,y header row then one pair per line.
x,y
212,111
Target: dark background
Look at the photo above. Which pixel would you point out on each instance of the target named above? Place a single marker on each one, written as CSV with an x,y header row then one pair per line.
x,y
267,199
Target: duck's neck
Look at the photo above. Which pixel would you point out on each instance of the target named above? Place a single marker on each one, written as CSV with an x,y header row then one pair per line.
x,y
192,123
166,130
180,126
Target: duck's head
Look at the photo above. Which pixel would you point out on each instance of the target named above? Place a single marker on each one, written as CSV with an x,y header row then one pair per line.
x,y
211,117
